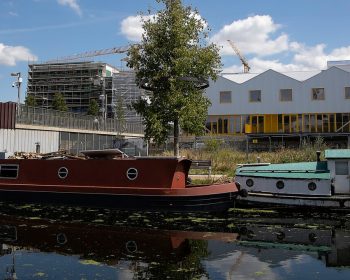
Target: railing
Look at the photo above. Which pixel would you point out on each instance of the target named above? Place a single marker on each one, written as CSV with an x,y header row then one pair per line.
x,y
37,116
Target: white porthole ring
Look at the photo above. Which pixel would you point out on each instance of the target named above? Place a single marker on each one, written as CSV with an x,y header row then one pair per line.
x,y
132,173
62,172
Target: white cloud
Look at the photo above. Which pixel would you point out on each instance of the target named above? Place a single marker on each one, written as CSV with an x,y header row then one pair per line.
x,y
131,27
253,36
309,57
73,4
342,53
10,55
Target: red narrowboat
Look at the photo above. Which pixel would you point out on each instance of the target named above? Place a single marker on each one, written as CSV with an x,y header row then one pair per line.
x,y
107,179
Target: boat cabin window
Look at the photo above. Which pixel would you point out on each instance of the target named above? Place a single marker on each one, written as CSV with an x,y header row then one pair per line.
x,y
341,168
8,171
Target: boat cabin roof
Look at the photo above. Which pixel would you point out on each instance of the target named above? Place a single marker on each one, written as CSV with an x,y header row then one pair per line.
x,y
300,170
337,154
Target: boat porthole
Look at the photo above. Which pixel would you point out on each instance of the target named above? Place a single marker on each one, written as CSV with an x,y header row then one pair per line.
x,y
280,235
132,173
312,186
249,183
312,237
61,238
280,185
63,172
131,246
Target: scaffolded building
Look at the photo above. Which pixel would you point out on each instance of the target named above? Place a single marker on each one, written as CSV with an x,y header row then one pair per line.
x,y
124,93
78,82
81,82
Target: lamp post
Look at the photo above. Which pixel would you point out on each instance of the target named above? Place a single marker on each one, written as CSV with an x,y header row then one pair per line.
x,y
18,85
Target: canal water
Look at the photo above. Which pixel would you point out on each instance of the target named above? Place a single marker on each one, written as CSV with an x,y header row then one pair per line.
x,y
43,242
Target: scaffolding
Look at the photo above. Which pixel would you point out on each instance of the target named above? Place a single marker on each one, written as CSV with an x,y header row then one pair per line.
x,y
125,92
78,82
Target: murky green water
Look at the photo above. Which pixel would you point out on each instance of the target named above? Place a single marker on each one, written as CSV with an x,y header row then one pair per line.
x,y
41,242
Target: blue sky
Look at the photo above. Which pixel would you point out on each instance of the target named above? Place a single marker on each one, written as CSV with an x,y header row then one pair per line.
x,y
289,35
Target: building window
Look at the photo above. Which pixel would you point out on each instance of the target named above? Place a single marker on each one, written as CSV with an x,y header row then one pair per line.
x,y
225,97
347,92
286,95
317,94
255,96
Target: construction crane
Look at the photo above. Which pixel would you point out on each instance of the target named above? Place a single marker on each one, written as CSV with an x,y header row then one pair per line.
x,y
246,66
90,54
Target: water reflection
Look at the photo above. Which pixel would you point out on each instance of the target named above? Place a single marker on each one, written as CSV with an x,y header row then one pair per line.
x,y
52,249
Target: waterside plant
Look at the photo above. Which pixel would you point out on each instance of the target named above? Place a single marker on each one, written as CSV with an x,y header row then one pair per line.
x,y
225,160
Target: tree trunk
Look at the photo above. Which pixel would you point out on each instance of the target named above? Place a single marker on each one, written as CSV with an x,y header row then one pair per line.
x,y
176,138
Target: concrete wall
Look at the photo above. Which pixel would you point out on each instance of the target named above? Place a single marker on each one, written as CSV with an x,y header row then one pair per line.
x,y
17,140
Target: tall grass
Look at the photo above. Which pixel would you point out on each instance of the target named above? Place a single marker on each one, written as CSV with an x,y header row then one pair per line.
x,y
225,160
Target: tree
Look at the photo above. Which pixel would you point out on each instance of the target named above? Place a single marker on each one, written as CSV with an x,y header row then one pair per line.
x,y
93,108
59,103
172,59
30,101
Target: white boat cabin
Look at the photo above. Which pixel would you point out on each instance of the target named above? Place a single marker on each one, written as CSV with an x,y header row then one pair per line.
x,y
339,167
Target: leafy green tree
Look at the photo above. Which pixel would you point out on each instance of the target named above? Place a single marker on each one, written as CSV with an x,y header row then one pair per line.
x,y
172,59
59,103
93,108
30,101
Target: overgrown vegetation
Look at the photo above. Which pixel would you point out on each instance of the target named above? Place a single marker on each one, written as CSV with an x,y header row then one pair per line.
x,y
225,160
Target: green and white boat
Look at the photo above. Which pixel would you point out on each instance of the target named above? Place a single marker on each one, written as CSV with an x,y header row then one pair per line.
x,y
323,184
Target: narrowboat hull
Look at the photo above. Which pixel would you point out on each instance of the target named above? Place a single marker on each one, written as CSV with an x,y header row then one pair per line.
x,y
132,183
214,198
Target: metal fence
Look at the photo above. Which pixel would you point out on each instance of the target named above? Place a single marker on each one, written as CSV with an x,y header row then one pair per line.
x,y
46,117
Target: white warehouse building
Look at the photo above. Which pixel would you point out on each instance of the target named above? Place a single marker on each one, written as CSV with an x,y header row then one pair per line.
x,y
273,103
